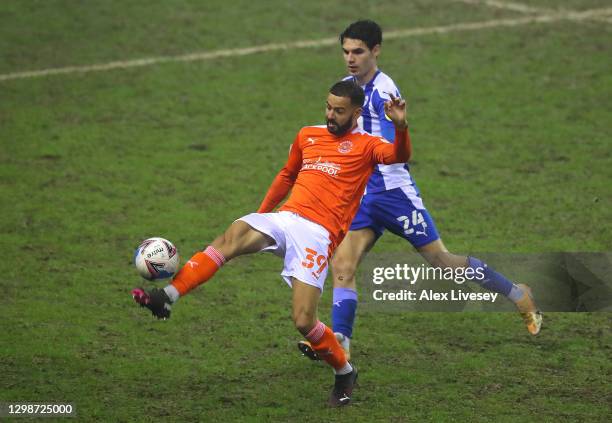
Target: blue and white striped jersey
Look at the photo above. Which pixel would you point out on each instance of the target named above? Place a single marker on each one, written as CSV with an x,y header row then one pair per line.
x,y
374,121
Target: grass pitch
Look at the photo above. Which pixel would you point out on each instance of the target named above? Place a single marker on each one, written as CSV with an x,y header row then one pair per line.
x,y
510,128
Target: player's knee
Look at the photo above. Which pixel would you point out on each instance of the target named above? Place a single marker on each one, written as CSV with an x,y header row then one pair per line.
x,y
304,320
343,271
227,243
223,246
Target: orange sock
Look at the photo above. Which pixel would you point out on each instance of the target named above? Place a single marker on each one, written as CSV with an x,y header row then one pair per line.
x,y
200,268
324,342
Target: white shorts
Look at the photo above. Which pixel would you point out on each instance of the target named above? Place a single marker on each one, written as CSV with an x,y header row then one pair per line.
x,y
302,243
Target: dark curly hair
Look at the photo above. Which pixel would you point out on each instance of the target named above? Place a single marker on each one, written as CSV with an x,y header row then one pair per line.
x,y
367,31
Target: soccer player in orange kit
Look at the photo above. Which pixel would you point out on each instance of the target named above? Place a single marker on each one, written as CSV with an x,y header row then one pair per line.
x,y
327,170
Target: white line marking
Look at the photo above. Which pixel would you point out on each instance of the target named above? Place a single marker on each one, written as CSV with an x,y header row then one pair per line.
x,y
210,55
516,7
523,8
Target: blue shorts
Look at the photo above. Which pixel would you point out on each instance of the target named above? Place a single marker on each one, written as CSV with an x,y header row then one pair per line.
x,y
401,212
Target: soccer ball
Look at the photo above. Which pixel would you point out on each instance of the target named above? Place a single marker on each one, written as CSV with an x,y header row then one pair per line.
x,y
156,258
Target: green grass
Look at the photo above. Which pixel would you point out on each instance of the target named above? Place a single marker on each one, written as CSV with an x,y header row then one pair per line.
x,y
511,151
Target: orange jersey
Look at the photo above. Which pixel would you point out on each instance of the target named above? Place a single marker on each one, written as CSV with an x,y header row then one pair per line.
x,y
328,175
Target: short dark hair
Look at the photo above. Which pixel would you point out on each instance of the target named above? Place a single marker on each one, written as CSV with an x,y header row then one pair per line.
x,y
350,89
367,31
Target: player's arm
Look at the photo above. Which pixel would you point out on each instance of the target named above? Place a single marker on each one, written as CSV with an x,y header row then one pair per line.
x,y
401,150
387,128
281,185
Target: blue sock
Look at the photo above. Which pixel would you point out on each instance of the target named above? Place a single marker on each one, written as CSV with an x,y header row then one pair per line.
x,y
494,281
343,311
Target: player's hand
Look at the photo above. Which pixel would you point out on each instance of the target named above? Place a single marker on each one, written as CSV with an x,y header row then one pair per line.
x,y
155,300
395,109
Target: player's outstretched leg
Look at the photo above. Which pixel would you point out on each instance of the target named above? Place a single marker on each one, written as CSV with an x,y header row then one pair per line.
x,y
237,240
323,341
520,294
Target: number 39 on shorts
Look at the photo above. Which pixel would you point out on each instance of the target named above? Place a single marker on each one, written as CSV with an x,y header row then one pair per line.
x,y
314,258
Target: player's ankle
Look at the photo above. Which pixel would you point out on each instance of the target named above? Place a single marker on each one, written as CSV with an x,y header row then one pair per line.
x,y
344,370
516,294
172,293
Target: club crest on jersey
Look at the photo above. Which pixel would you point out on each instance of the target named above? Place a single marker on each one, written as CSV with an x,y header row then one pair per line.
x,y
345,146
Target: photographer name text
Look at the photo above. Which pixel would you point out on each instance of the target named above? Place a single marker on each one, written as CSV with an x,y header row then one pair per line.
x,y
430,295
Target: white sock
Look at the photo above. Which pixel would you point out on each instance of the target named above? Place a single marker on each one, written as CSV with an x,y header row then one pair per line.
x,y
345,341
345,370
172,293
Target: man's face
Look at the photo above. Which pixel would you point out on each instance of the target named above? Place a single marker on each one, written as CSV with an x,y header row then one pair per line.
x,y
341,116
359,59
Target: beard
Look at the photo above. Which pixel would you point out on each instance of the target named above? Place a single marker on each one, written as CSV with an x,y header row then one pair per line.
x,y
338,130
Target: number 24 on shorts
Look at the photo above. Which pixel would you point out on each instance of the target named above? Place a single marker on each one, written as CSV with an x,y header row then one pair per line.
x,y
313,256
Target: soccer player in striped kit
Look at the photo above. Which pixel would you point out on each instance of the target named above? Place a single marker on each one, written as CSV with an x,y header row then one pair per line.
x,y
327,170
392,201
